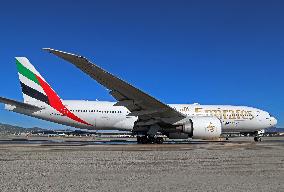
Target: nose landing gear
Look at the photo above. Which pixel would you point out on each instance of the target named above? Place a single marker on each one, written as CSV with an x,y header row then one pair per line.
x,y
257,139
258,135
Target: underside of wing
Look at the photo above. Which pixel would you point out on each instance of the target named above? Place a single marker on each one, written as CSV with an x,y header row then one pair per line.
x,y
147,108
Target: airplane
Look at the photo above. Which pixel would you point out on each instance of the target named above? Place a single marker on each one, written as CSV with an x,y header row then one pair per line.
x,y
149,119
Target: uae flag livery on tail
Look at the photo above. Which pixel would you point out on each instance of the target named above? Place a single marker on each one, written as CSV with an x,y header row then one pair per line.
x,y
36,90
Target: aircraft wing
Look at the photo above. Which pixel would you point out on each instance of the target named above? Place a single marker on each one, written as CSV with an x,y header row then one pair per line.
x,y
147,108
19,104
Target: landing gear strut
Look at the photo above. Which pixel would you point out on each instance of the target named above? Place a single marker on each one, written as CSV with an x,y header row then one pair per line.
x,y
149,140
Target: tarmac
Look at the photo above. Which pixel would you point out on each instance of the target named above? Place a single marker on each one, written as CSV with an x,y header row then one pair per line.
x,y
58,164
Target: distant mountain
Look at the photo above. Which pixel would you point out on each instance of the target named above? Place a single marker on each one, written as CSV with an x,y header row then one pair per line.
x,y
11,129
274,130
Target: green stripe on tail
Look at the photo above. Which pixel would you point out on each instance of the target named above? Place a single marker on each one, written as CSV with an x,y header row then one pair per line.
x,y
26,72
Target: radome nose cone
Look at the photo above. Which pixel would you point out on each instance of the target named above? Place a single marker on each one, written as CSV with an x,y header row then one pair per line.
x,y
273,121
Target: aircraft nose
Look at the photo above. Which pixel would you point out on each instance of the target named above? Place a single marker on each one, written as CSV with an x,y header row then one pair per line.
x,y
273,121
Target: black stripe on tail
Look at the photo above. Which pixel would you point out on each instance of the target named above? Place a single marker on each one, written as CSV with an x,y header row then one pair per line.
x,y
34,93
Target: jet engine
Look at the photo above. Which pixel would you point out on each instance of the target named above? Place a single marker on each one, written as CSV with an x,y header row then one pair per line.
x,y
202,127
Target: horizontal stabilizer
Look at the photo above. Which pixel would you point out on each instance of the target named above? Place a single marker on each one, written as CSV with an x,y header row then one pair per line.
x,y
19,104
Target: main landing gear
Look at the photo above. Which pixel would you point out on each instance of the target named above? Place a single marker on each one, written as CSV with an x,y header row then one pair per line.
x,y
149,140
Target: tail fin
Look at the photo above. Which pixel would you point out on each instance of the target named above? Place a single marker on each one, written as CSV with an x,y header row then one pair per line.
x,y
36,90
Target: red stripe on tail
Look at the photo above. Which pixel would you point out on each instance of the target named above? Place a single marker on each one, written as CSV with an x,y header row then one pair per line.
x,y
56,102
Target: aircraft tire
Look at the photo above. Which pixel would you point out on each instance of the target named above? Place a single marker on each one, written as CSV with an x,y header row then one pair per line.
x,y
257,139
144,140
159,140
139,139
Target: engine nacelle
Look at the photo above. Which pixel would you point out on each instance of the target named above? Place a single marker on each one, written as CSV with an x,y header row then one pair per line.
x,y
203,127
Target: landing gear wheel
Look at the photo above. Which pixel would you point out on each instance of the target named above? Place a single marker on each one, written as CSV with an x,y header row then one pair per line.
x,y
144,140
139,139
257,139
151,140
159,140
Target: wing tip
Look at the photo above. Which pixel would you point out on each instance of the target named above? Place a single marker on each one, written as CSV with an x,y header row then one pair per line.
x,y
47,48
50,50
57,52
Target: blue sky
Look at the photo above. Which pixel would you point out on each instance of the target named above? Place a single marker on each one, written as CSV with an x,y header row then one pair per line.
x,y
210,52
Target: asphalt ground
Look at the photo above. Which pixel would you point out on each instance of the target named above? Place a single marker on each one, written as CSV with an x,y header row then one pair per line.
x,y
58,164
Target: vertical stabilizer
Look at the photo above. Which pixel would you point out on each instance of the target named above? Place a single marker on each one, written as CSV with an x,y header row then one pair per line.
x,y
34,87
37,91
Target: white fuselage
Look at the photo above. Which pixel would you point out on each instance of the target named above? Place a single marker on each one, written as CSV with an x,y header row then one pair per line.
x,y
106,116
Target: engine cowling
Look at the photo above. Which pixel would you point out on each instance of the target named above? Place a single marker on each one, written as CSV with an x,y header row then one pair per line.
x,y
203,127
